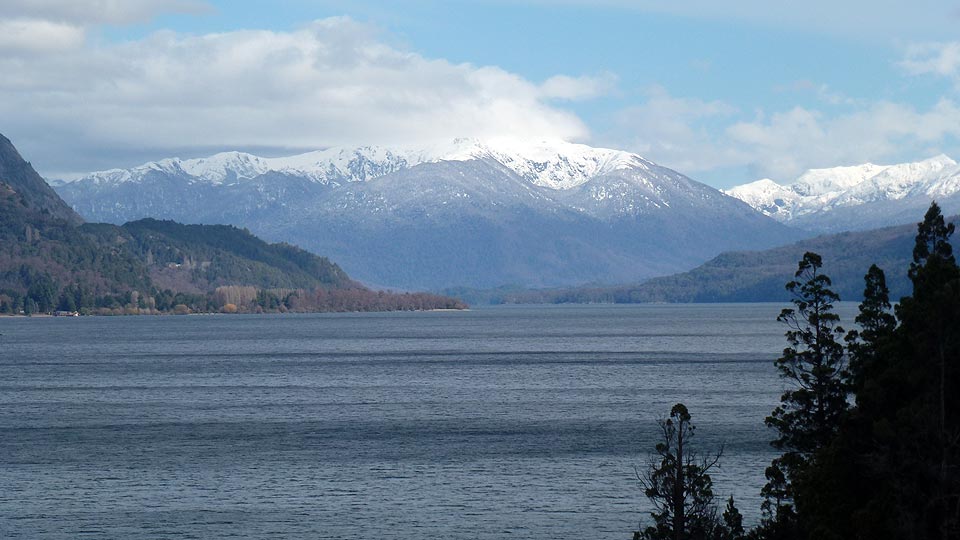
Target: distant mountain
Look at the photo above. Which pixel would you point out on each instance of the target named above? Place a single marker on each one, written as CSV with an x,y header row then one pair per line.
x,y
753,276
859,197
464,213
50,259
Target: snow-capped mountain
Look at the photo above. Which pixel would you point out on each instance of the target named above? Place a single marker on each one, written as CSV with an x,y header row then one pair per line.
x,y
552,164
467,212
858,197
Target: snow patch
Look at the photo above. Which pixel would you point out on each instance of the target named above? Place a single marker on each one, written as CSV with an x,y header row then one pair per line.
x,y
553,164
823,190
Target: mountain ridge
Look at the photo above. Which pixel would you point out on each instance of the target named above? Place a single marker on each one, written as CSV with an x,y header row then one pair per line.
x,y
50,260
857,197
548,163
462,213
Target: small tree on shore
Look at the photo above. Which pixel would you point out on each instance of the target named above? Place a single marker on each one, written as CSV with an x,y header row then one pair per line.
x,y
678,483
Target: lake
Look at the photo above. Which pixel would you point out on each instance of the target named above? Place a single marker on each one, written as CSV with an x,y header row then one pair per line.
x,y
507,422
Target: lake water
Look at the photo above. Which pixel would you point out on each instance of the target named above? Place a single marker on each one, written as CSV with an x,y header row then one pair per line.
x,y
510,422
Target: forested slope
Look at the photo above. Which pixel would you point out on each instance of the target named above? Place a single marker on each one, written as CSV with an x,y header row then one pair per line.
x,y
51,261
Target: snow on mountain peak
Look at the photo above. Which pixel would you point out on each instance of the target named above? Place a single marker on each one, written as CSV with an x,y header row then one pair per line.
x,y
548,163
225,166
215,169
815,182
764,184
766,196
823,190
940,159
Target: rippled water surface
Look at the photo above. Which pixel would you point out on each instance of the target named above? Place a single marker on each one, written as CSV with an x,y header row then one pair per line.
x,y
512,422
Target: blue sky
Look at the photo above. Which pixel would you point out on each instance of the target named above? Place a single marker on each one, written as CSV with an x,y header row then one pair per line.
x,y
723,93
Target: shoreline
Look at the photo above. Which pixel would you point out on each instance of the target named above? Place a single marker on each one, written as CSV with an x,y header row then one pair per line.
x,y
51,316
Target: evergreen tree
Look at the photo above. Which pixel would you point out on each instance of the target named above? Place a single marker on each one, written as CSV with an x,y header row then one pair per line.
x,y
809,414
66,302
678,484
876,322
43,292
779,519
732,521
893,469
924,406
837,480
933,262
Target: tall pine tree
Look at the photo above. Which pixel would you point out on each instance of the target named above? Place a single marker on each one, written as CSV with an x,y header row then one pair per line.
x,y
893,470
927,415
810,413
876,323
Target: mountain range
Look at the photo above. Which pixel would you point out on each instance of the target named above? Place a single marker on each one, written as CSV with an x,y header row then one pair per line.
x,y
50,259
857,197
466,212
474,214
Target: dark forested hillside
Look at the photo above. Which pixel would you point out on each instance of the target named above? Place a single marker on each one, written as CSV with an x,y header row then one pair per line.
x,y
203,257
51,261
752,276
33,192
41,254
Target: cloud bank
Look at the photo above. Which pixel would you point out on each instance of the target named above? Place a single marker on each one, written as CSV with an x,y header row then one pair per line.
x,y
696,136
74,104
331,82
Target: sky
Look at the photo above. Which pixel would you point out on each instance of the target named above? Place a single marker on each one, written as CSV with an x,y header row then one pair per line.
x,y
725,92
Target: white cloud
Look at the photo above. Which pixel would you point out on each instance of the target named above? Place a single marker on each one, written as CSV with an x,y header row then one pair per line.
x,y
786,143
823,92
942,59
696,136
337,81
674,131
89,12
36,35
576,88
332,82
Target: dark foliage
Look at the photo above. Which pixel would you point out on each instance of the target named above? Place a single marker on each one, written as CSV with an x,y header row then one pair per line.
x,y
732,522
678,484
876,323
891,468
209,256
809,413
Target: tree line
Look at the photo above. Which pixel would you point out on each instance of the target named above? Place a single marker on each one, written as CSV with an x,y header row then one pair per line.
x,y
869,429
45,296
155,267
